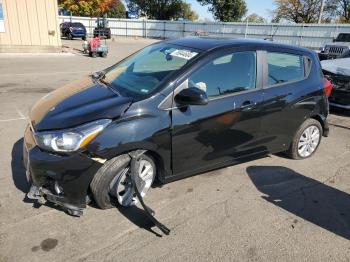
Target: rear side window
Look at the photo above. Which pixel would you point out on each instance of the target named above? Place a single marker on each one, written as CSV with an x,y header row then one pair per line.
x,y
284,68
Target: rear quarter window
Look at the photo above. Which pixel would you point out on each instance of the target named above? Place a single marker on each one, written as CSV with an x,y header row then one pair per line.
x,y
284,68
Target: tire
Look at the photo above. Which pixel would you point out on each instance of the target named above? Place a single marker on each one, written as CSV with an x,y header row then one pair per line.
x,y
294,150
93,54
111,171
104,54
70,37
83,38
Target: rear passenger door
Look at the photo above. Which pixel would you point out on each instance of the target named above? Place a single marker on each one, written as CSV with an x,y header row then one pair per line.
x,y
285,94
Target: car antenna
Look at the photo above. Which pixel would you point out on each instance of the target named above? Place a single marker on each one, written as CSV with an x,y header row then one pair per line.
x,y
274,33
272,36
134,167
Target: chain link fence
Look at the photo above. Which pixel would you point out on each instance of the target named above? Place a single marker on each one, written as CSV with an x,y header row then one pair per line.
x,y
308,35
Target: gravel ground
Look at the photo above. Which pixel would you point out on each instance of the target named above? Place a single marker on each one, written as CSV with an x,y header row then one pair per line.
x,y
270,209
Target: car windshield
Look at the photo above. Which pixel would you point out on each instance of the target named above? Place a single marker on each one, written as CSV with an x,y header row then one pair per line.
x,y
141,73
76,25
343,38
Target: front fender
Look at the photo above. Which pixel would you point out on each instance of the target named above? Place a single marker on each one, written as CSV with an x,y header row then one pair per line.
x,y
146,131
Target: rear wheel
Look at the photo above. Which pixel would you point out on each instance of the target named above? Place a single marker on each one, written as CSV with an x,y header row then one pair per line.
x,y
306,140
70,36
112,183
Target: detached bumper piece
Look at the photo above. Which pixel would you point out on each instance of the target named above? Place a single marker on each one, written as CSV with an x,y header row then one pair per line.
x,y
43,195
134,167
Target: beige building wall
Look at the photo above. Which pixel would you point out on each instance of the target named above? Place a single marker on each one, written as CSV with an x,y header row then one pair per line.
x,y
30,25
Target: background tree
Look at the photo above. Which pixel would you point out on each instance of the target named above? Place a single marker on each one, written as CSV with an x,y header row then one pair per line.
x,y
340,9
345,10
113,8
187,13
298,11
162,9
226,10
254,18
116,9
80,8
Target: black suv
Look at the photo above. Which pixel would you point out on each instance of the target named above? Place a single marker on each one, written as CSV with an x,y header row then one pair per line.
x,y
340,45
192,104
73,30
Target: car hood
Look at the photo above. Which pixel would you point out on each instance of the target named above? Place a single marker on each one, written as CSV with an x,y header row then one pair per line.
x,y
76,103
343,44
337,66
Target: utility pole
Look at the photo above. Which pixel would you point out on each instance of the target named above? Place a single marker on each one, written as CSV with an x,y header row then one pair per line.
x,y
321,12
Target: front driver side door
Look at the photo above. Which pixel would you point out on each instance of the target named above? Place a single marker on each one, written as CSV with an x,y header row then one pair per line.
x,y
225,129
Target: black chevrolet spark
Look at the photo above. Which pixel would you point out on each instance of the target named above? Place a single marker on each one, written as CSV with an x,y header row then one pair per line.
x,y
192,104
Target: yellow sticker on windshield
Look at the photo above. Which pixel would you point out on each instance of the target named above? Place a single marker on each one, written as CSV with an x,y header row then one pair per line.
x,y
185,54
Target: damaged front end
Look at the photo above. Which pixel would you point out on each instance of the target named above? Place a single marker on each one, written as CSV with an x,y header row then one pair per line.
x,y
338,71
340,96
57,178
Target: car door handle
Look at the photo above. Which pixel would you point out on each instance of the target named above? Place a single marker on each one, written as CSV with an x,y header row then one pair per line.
x,y
247,104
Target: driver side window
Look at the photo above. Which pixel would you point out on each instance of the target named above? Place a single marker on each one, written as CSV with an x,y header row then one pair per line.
x,y
226,74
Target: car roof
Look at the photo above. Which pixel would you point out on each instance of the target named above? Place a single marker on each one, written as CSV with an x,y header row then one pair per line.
x,y
206,43
72,23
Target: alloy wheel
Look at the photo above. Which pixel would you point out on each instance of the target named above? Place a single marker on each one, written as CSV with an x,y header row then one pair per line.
x,y
121,187
308,141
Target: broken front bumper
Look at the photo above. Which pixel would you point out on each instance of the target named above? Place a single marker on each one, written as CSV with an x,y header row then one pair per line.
x,y
61,179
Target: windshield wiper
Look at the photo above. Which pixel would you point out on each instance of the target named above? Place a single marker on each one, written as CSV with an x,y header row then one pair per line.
x,y
100,77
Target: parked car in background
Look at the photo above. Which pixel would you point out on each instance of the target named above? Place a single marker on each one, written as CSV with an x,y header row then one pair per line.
x,y
345,54
194,104
131,15
73,30
338,71
339,46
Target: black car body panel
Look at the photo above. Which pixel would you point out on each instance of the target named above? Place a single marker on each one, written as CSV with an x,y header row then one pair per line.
x,y
77,103
183,140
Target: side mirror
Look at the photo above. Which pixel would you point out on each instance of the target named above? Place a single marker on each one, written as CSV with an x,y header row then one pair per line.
x,y
191,96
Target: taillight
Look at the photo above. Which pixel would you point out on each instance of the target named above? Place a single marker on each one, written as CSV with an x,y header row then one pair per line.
x,y
327,86
71,29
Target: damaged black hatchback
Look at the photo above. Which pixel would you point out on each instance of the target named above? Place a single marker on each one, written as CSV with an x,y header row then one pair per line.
x,y
191,105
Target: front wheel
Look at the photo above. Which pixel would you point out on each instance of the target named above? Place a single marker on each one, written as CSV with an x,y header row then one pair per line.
x,y
112,183
306,140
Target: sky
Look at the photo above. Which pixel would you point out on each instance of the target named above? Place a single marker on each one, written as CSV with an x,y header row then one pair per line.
x,y
259,7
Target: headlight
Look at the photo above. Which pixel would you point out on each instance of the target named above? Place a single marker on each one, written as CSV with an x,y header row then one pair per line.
x,y
72,139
